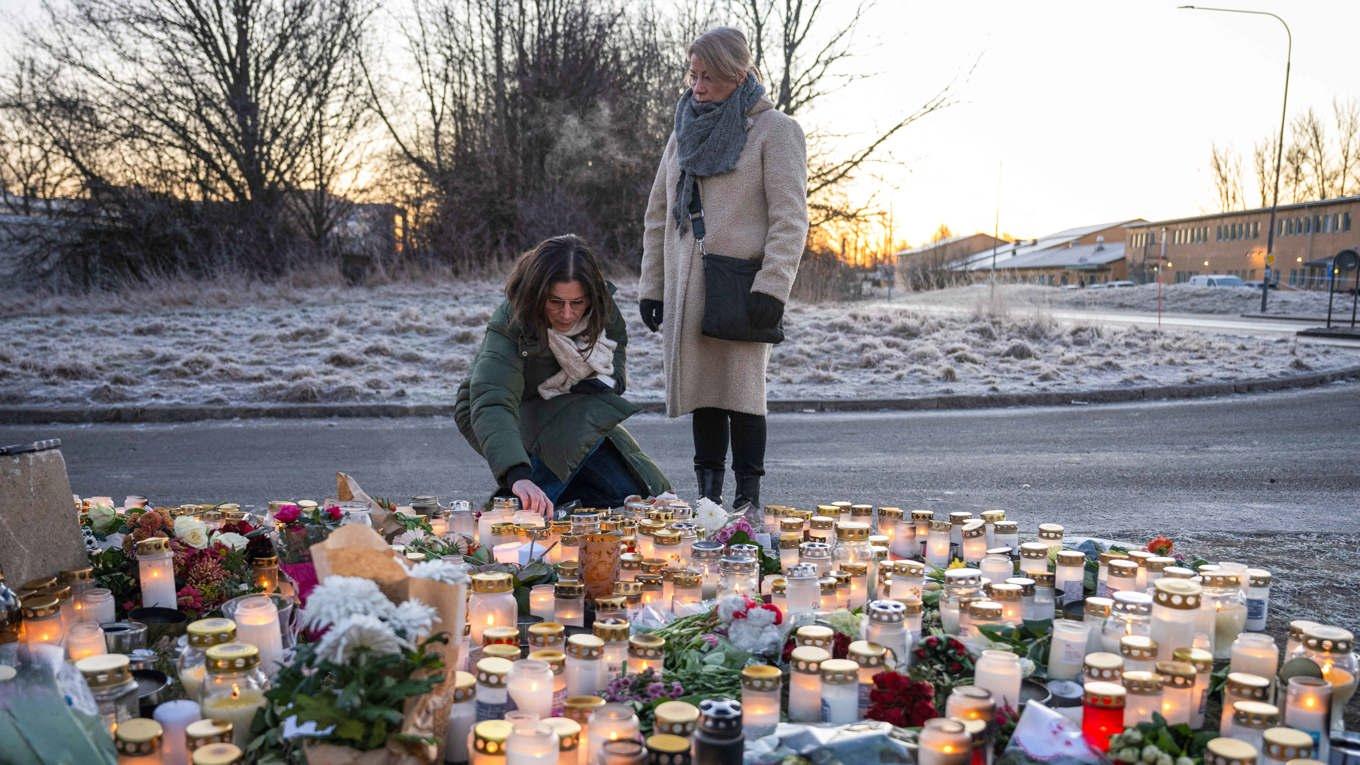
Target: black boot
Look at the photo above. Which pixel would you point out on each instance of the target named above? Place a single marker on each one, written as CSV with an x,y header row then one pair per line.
x,y
710,483
748,492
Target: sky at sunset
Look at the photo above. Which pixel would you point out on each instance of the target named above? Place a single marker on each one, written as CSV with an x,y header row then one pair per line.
x,y
1088,111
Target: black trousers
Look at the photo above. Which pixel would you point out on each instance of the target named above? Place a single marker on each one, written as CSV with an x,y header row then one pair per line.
x,y
712,430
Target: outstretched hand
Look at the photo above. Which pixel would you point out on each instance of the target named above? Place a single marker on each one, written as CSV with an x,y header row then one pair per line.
x,y
532,498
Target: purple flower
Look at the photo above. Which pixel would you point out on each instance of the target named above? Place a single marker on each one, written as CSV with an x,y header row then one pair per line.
x,y
711,640
655,690
677,690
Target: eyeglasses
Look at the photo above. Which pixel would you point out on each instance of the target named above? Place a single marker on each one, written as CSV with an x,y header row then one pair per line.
x,y
558,304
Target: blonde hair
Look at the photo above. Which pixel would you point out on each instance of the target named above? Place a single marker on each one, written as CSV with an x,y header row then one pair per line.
x,y
725,51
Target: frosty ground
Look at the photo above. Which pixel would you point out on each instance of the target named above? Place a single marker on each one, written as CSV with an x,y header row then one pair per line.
x,y
405,343
1175,298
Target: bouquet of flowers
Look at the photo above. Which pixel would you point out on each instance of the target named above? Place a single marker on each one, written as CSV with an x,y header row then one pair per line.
x,y
299,530
644,692
943,662
211,566
900,700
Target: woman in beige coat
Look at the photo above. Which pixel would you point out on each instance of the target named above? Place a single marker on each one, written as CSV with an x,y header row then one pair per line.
x,y
747,164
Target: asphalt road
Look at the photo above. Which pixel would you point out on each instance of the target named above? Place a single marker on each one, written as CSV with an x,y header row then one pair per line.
x,y
1269,462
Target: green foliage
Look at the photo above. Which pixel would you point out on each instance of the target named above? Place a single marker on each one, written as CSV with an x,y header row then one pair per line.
x,y
1167,742
1031,640
769,564
410,523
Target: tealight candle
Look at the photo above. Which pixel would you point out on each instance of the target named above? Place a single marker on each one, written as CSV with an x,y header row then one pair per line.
x,y
1308,708
611,722
1143,697
937,545
585,654
646,652
1102,713
1067,649
530,686
1178,690
542,601
969,702
805,683
999,672
84,639
943,742
257,623
174,718
156,573
1203,662
1255,653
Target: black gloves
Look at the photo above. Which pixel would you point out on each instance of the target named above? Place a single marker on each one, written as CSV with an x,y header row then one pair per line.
x,y
763,310
651,313
591,385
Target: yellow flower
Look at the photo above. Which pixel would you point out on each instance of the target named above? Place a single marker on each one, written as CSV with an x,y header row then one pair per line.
x,y
957,563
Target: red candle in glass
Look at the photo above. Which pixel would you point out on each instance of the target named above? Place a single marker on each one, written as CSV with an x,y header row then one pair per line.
x,y
1102,714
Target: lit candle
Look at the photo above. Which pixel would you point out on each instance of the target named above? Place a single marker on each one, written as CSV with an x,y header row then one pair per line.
x,y
1033,558
858,593
84,639
999,672
1139,653
1255,653
908,579
760,689
900,530
42,620
840,691
1225,604
1067,649
557,662
236,708
1175,604
830,600
1156,567
578,709
462,716
585,654
257,623
1141,557
937,545
646,652
1069,576
507,552
174,718
974,547
914,609
996,568
1102,667
611,722
1251,719
530,686
1283,745
788,550
204,733
1102,713
1143,697
1007,534
614,634
569,741
265,572
542,601
1178,690
156,573
943,742
1203,662
492,603
1096,612
1330,648
805,683
1011,598
1308,708
489,738
549,635
1122,576
1052,535
534,744
686,589
920,521
569,606
969,702
1241,687
887,627
138,742
1295,641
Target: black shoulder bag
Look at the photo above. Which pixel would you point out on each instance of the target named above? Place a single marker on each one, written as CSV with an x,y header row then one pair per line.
x,y
727,284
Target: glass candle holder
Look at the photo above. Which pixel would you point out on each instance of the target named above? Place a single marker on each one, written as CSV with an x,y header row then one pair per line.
x,y
1102,713
109,677
1143,697
534,744
816,554
1121,576
585,655
1251,719
611,722
1096,612
943,742
938,545
999,672
530,686
1331,649
829,600
1067,649
1130,615
138,742
887,627
871,659
908,580
462,716
614,634
1308,708
491,694
569,741
996,568
1006,534
557,664
1070,575
646,652
1033,558
156,573
1174,623
1178,691
740,576
1139,653
1256,654
542,601
969,702
1225,606
956,522
265,573
840,691
821,528
544,635
1102,667
84,639
234,687
788,550
920,521
488,742
1258,599
1011,597
97,605
760,690
1282,745
675,718
687,588
707,556
974,546
492,603
1229,751
1051,534
1203,662
1241,687
805,683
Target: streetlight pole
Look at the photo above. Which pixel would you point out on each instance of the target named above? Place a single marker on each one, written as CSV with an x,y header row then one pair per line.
x,y
1279,145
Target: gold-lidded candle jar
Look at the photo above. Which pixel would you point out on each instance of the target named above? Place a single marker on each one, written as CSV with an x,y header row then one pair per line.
x,y
109,677
569,606
1241,687
1174,621
676,718
489,738
1331,649
551,635
1139,653
646,651
1144,696
201,733
1052,535
138,742
1251,719
156,573
1033,558
201,635
1102,667
1281,745
805,683
1229,751
1203,662
234,687
492,603
1178,690
943,742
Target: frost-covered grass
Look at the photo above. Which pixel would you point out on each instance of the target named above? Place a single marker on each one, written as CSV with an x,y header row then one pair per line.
x,y
405,343
1176,298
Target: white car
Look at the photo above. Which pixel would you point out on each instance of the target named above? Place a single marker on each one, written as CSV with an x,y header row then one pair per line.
x,y
1119,283
1216,280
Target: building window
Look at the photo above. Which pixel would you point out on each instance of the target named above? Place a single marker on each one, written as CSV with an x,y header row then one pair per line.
x,y
1345,221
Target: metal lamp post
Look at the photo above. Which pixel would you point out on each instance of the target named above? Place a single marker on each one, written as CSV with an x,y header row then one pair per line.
x,y
1279,146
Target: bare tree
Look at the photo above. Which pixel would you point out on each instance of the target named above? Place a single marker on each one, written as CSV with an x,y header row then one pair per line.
x,y
1311,140
1346,119
1263,166
1227,169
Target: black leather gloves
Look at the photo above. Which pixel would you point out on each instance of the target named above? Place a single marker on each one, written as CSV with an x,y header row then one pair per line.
x,y
591,385
651,313
763,310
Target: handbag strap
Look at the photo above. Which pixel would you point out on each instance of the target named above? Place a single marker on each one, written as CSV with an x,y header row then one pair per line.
x,y
696,217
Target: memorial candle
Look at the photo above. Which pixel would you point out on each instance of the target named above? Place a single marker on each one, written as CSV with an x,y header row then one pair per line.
x,y
1258,598
990,518
996,568
489,738
42,620
1241,687
943,742
174,718
492,697
542,601
97,605
1308,708
257,623
887,627
999,672
84,639
1122,577
138,742
1156,567
1229,751
1067,649
492,603
1143,697
840,691
974,547
1033,558
1251,719
1203,662
969,702
1052,535
646,652
788,550
1102,713
1070,575
1295,641
1255,653
805,683
585,655
611,722
1175,604
920,521
462,716
871,659
1178,690
568,739
557,663
1139,653
675,718
534,744
234,687
1007,535
1102,667
937,545
156,573
1284,745
530,686
760,690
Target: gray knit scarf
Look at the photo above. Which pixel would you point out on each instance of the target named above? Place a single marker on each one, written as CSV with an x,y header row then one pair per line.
x,y
709,138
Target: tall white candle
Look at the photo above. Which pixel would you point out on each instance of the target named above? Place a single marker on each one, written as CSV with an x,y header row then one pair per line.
x,y
531,687
937,544
1255,653
1067,649
156,573
805,683
174,717
999,672
760,689
1308,708
257,623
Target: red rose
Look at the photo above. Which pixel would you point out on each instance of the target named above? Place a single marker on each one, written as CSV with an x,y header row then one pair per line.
x,y
287,513
955,667
933,641
335,512
920,653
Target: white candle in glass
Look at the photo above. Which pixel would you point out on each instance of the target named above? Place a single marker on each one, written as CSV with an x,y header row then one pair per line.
x,y
1068,649
156,573
98,605
84,639
1033,558
542,601
1069,575
974,546
174,717
1175,620
257,623
943,742
535,744
507,552
760,690
1178,690
969,702
996,568
840,691
1203,662
1143,697
1241,686
805,683
999,672
1308,708
1255,653
584,656
530,685
937,544
611,722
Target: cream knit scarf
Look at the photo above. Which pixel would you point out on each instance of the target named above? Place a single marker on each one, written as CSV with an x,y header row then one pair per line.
x,y
578,359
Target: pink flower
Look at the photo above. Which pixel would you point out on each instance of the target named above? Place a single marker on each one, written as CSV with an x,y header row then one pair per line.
x,y
287,513
335,512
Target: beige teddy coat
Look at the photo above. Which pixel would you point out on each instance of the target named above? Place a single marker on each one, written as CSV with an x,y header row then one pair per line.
x,y
756,211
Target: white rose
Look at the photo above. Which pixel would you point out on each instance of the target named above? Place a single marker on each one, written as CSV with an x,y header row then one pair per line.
x,y
710,515
231,539
191,531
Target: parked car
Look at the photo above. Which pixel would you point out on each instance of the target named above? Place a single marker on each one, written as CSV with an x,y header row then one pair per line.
x,y
1256,285
1119,283
1216,280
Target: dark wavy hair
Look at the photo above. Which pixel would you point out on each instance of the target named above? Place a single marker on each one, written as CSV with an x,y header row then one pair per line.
x,y
564,258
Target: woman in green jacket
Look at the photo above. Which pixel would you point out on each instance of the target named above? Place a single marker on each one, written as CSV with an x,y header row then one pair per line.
x,y
544,402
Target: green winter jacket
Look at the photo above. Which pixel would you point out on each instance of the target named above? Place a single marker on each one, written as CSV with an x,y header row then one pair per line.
x,y
503,418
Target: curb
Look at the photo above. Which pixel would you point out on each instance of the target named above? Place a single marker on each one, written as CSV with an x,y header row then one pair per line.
x,y
170,414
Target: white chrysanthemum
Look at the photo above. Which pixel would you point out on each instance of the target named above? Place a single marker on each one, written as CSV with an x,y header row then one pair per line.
x,y
407,537
709,515
356,632
231,539
340,597
413,619
444,571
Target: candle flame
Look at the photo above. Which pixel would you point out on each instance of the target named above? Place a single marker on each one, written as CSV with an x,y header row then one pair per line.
x,y
235,691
